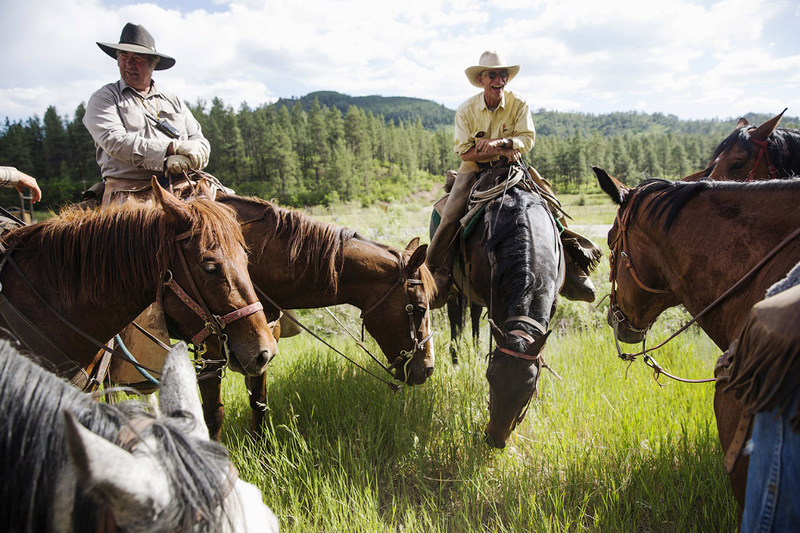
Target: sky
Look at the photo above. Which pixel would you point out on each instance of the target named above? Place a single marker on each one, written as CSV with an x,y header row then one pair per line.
x,y
690,58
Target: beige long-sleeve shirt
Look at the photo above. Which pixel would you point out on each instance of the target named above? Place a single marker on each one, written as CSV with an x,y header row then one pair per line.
x,y
129,145
511,119
9,176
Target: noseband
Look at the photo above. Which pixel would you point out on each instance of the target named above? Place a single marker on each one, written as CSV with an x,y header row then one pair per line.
x,y
213,324
406,356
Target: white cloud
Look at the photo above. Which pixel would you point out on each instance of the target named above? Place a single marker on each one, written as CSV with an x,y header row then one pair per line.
x,y
692,58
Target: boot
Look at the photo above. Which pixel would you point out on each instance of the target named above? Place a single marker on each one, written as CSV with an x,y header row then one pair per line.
x,y
442,249
577,285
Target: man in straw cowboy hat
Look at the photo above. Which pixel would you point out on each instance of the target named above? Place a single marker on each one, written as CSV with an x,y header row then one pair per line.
x,y
139,130
493,128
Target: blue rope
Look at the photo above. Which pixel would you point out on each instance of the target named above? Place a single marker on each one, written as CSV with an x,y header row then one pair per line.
x,y
132,360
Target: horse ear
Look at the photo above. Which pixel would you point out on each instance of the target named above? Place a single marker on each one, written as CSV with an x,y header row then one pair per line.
x,y
417,259
178,396
412,244
763,132
742,123
171,205
613,188
538,345
129,484
204,188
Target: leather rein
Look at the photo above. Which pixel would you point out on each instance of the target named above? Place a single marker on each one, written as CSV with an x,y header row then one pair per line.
x,y
618,252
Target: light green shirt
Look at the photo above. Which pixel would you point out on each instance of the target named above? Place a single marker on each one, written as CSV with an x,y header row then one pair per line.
x,y
511,119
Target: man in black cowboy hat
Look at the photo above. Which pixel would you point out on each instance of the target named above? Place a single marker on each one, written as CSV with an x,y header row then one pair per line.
x,y
494,128
139,130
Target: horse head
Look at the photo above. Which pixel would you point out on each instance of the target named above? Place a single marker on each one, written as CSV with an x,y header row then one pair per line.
x,y
210,260
527,271
400,319
142,480
639,294
750,153
513,373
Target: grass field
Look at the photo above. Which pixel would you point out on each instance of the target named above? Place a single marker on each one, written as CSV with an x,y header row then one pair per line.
x,y
607,449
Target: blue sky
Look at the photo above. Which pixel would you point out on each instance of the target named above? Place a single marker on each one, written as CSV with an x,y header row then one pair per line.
x,y
694,59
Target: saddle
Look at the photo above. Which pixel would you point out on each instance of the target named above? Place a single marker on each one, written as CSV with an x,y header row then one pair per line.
x,y
112,190
582,256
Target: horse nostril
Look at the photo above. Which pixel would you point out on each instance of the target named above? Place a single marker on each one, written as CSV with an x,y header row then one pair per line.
x,y
428,371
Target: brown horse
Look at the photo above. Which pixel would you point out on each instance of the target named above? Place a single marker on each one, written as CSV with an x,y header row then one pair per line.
x,y
79,278
514,265
688,243
753,153
300,262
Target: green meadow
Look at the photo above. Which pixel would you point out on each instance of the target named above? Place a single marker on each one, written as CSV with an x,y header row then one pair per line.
x,y
606,449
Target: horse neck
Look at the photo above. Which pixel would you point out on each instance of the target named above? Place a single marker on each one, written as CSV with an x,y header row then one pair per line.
x,y
100,321
700,266
363,266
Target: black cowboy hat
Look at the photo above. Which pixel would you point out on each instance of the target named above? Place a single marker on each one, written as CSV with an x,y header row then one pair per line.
x,y
135,38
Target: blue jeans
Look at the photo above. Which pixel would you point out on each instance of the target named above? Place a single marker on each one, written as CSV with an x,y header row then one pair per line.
x,y
772,502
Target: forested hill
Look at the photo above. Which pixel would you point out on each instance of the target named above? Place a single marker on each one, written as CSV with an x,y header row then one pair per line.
x,y
397,109
400,109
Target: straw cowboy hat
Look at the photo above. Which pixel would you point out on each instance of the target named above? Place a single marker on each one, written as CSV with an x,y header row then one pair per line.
x,y
135,38
490,60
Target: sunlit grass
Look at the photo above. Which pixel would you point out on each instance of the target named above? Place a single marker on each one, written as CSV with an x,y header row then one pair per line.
x,y
607,449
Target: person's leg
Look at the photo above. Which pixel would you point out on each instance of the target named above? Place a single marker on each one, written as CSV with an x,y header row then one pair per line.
x,y
442,249
773,477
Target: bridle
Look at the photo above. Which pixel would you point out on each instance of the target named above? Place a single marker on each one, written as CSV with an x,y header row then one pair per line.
x,y
617,254
417,344
762,153
212,324
537,359
618,247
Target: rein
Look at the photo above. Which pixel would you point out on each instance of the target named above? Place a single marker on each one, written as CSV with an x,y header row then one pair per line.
x,y
619,317
272,302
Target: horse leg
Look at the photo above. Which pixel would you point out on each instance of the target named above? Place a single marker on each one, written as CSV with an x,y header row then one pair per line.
x,y
455,314
257,393
213,408
475,311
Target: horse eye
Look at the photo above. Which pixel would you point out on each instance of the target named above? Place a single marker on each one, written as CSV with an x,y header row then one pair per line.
x,y
739,165
210,267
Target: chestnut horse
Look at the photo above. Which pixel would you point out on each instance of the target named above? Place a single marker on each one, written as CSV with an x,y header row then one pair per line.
x,y
752,153
300,262
687,243
75,280
72,464
514,265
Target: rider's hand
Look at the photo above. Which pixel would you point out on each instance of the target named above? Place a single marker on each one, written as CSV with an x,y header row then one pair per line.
x,y
178,164
29,182
195,151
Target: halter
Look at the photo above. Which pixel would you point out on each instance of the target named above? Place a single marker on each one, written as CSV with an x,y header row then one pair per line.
x,y
406,356
762,152
213,324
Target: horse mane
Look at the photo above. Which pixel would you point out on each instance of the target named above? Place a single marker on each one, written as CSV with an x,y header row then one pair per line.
x,y
667,198
312,244
115,250
783,147
512,243
34,451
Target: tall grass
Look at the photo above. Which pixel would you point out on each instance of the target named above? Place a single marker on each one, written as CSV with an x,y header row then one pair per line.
x,y
607,449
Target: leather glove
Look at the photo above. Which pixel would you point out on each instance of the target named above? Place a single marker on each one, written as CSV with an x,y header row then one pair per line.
x,y
195,151
177,164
